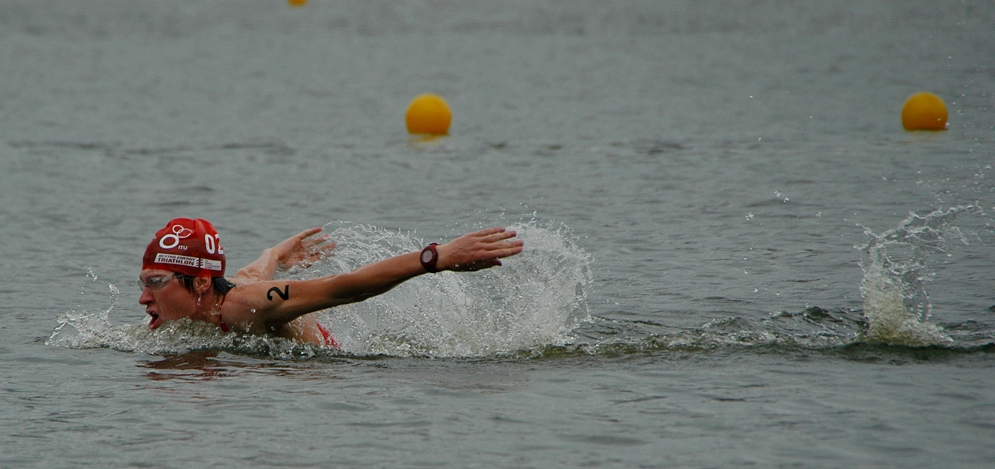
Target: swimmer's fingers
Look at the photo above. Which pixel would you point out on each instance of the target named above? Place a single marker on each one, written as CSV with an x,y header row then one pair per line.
x,y
308,233
320,242
479,250
301,248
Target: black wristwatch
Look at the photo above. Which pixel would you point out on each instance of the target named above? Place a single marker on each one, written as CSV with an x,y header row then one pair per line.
x,y
430,257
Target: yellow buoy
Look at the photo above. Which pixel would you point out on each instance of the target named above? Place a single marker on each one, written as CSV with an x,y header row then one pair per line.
x,y
924,111
428,114
296,3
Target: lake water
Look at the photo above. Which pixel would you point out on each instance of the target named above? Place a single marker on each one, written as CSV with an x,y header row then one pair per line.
x,y
735,255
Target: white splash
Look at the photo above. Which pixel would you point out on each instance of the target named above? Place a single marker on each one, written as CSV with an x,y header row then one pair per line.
x,y
534,300
896,305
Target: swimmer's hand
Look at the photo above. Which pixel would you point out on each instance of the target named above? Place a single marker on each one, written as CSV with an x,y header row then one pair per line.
x,y
302,248
478,250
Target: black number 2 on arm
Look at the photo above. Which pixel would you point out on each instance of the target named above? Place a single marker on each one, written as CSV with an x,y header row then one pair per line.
x,y
285,294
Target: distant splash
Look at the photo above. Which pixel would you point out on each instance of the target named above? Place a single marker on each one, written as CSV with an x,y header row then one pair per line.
x,y
896,304
534,300
896,308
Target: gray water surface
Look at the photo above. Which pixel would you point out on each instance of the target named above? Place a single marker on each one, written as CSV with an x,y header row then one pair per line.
x,y
735,256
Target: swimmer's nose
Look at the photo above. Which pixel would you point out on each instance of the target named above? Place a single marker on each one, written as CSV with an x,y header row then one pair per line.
x,y
146,296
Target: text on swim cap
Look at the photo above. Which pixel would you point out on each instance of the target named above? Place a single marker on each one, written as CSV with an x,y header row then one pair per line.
x,y
196,262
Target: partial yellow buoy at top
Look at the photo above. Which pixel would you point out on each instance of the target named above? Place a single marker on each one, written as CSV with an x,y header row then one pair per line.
x,y
296,3
428,114
924,111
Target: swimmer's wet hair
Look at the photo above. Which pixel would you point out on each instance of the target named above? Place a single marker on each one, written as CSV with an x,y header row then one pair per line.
x,y
221,285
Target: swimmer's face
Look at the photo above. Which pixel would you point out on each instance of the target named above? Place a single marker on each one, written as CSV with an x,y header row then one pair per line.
x,y
164,297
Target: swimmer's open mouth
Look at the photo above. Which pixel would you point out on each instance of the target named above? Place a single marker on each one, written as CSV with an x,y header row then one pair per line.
x,y
154,322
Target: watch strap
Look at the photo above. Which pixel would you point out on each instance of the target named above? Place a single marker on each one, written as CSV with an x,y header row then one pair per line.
x,y
430,258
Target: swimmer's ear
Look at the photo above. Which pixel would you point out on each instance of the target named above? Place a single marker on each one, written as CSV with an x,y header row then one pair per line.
x,y
202,285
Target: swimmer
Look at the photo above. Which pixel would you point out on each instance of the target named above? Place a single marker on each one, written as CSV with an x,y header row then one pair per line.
x,y
184,266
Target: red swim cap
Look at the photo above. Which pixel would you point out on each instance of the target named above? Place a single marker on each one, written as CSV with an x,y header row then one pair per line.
x,y
186,246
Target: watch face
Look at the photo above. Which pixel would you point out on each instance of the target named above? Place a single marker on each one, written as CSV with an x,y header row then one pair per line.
x,y
427,255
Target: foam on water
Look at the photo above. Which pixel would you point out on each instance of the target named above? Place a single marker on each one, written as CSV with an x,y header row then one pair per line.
x,y
533,301
813,328
85,329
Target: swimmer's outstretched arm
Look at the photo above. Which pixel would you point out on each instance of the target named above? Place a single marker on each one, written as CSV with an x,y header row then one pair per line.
x,y
297,248
271,304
